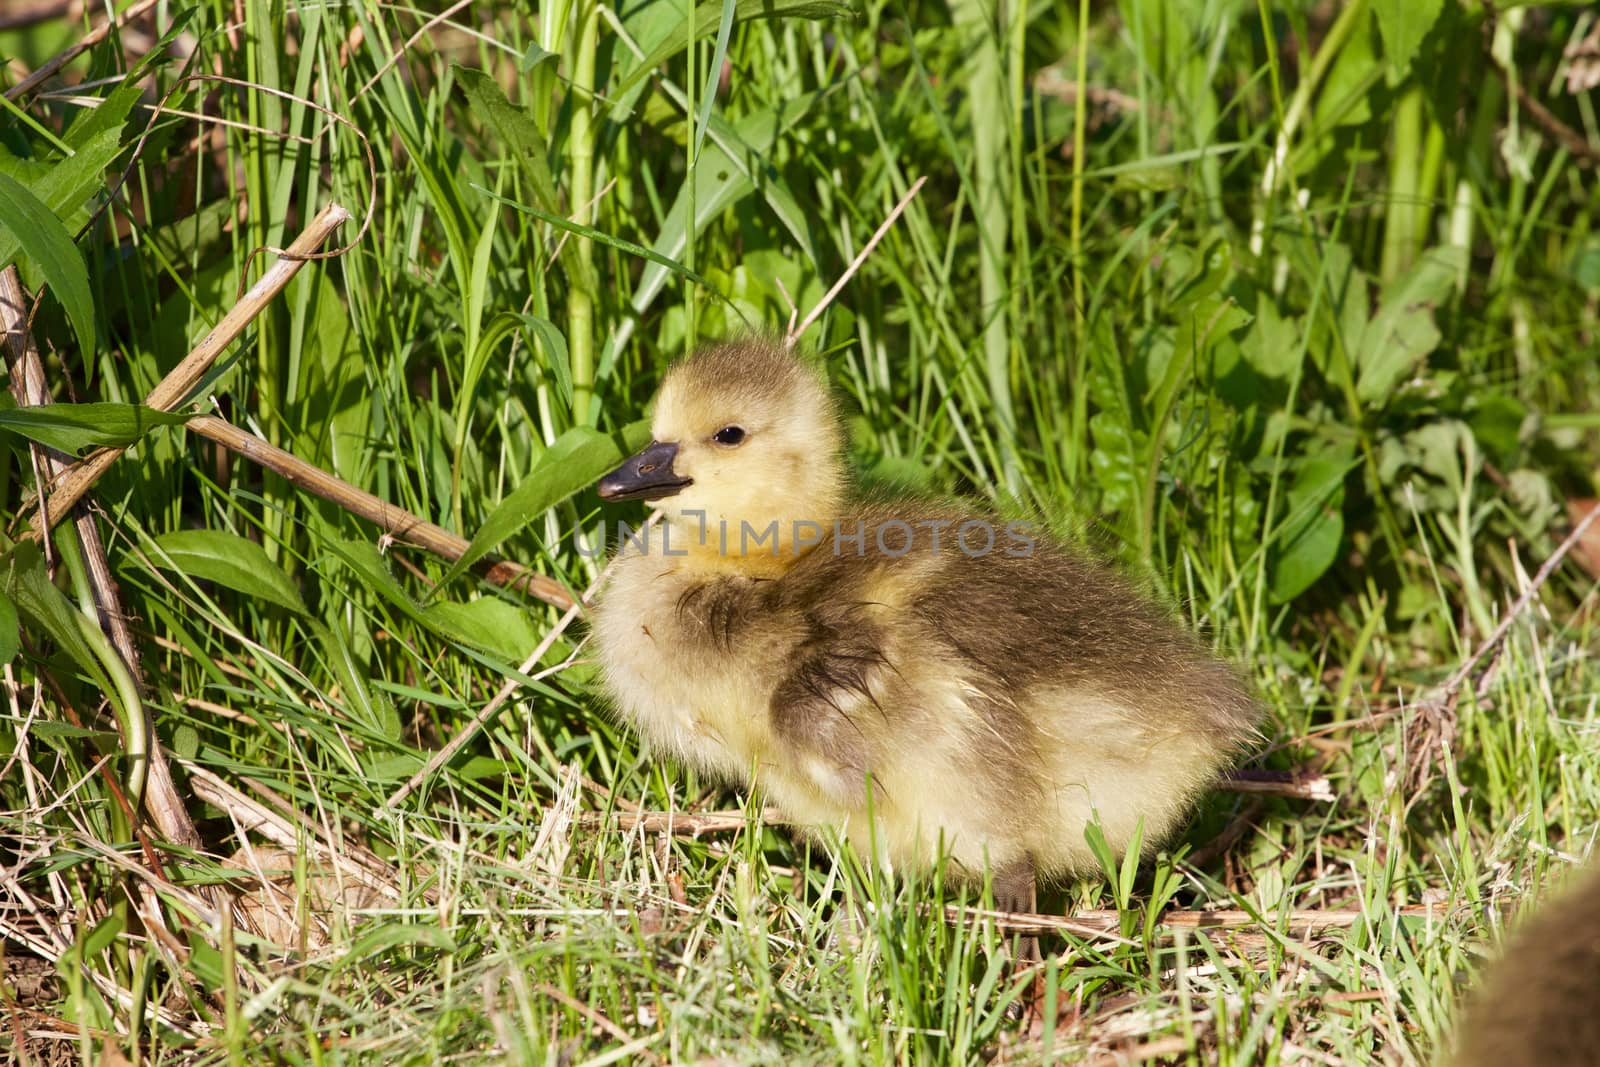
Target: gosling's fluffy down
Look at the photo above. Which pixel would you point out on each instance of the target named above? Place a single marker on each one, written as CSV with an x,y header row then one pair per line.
x,y
906,688
1539,1005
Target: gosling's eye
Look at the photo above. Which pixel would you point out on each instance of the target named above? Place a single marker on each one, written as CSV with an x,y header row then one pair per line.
x,y
729,435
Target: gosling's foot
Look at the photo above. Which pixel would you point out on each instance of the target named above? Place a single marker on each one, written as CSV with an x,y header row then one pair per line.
x,y
1016,890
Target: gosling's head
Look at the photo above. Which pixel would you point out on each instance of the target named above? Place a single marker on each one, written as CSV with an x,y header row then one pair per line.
x,y
747,436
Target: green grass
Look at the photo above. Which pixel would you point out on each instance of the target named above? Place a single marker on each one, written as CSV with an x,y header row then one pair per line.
x,y
1292,308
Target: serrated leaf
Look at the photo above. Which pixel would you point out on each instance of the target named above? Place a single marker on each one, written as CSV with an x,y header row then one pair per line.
x,y
28,226
577,458
513,127
231,561
708,17
71,428
1404,24
535,57
1402,332
1273,346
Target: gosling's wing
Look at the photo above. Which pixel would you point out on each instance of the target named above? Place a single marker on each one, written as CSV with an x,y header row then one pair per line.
x,y
1057,620
828,707
872,689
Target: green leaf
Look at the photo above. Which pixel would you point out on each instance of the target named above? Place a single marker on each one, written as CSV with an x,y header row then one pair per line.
x,y
492,625
72,428
1205,271
501,326
10,630
66,185
576,459
708,94
513,127
69,732
204,962
101,935
388,937
186,741
554,344
1496,419
726,174
96,140
599,237
708,17
1404,24
1273,345
1402,333
231,561
535,57
488,623
28,225
1307,541
27,585
1586,265
1344,98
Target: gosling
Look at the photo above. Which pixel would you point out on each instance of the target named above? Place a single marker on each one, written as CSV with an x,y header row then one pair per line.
x,y
927,680
1537,1004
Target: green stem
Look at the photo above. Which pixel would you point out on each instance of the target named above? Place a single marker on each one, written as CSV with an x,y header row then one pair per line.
x,y
1080,335
124,692
986,92
1289,123
580,185
1405,186
691,332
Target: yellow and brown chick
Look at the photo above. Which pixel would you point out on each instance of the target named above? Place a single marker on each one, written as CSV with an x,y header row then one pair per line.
x,y
918,676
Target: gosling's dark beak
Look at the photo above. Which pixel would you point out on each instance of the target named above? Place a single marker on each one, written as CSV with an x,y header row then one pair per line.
x,y
645,475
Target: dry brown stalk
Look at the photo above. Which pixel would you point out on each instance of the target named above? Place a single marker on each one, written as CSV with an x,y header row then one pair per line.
x,y
1301,785
682,823
90,39
28,386
394,521
1432,722
795,332
20,18
1301,922
176,386
280,823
